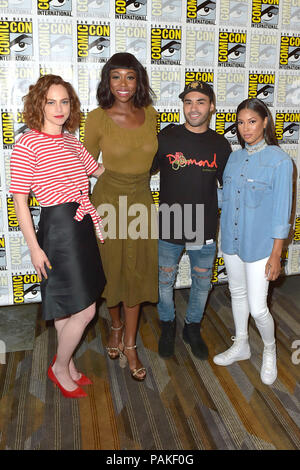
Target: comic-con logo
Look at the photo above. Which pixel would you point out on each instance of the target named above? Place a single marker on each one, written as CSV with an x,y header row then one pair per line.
x,y
206,76
166,46
26,288
199,11
83,116
261,85
54,7
166,85
226,126
232,49
287,127
131,38
23,78
65,70
34,207
294,256
4,290
55,40
265,13
94,8
13,127
131,9
289,52
219,271
6,160
230,89
13,223
19,253
16,41
200,46
234,12
166,117
4,83
3,257
183,278
263,49
288,90
88,79
12,91
296,238
166,11
93,42
155,197
291,14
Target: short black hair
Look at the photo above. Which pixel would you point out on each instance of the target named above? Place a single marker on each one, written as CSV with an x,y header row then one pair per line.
x,y
123,60
263,111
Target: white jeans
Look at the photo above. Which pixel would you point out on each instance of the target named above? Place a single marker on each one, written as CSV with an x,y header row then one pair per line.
x,y
249,289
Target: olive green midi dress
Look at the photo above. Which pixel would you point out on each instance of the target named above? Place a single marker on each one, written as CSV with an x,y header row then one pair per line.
x,y
123,198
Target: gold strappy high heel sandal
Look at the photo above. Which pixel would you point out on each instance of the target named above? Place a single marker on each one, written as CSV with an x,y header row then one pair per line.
x,y
123,362
114,353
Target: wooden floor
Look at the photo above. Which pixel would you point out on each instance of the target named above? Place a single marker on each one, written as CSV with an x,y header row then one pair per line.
x,y
184,404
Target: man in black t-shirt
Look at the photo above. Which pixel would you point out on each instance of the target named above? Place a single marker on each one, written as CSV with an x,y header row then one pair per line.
x,y
191,159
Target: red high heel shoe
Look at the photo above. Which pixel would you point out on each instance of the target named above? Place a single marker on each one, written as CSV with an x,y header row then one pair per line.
x,y
77,393
84,380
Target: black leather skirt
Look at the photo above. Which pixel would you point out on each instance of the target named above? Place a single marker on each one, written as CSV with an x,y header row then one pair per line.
x,y
76,279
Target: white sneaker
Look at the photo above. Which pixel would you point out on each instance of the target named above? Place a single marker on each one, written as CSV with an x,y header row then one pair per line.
x,y
239,351
268,371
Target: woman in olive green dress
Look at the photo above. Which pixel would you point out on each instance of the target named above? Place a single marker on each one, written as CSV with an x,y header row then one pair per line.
x,y
123,128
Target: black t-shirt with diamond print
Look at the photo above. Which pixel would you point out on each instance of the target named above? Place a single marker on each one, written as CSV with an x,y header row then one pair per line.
x,y
190,165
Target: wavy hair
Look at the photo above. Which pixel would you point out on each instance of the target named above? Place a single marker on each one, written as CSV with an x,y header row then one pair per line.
x,y
123,60
35,100
263,111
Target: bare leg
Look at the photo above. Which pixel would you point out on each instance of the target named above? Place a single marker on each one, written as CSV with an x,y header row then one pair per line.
x,y
115,335
131,323
69,336
59,325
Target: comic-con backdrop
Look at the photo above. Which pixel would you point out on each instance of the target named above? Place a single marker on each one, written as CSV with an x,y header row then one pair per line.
x,y
243,48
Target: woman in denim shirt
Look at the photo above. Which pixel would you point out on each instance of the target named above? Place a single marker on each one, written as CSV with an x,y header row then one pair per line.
x,y
256,208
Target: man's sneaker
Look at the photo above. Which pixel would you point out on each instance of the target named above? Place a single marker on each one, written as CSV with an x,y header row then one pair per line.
x,y
191,335
167,338
268,371
239,351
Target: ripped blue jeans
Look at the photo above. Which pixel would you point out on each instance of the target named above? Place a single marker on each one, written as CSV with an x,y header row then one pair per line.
x,y
201,261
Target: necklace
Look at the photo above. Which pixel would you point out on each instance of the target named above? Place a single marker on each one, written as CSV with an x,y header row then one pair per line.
x,y
255,148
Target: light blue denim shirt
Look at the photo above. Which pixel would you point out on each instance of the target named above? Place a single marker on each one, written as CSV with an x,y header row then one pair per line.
x,y
256,201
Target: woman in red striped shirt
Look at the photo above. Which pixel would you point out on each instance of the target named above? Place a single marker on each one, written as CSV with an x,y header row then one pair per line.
x,y
49,161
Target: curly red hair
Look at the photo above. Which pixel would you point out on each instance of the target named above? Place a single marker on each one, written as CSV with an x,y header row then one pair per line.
x,y
35,100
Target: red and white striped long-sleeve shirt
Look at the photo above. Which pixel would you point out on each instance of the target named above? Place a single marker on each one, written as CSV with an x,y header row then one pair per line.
x,y
56,170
